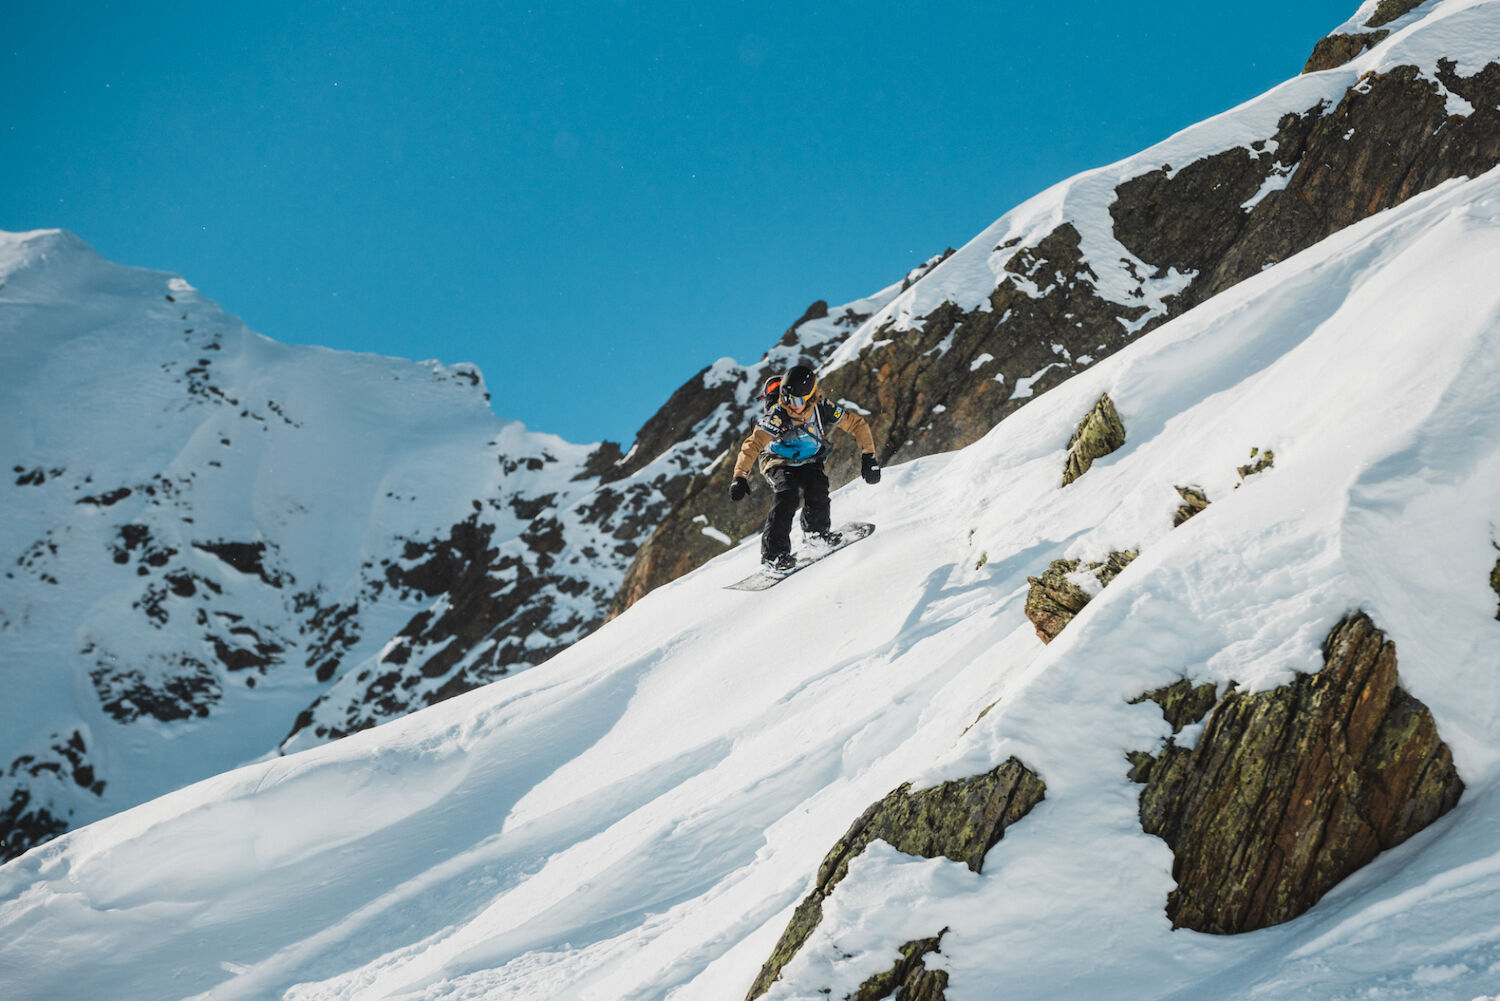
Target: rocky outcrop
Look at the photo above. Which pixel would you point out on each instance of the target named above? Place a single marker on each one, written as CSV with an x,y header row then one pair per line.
x,y
1099,433
1058,595
26,822
960,820
909,979
1495,583
1336,50
1389,10
1228,216
39,784
493,604
1287,792
1181,703
1260,461
1194,502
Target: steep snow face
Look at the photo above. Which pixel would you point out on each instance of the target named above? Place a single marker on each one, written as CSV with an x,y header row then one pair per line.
x,y
205,528
638,818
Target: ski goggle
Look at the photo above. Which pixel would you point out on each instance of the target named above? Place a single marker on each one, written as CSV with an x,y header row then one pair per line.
x,y
795,402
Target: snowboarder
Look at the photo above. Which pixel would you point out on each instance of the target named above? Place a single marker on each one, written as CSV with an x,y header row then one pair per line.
x,y
791,440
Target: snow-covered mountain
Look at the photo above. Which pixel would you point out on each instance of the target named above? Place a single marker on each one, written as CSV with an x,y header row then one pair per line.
x,y
716,794
639,818
216,545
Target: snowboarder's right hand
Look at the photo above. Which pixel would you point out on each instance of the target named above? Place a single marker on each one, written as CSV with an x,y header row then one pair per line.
x,y
739,489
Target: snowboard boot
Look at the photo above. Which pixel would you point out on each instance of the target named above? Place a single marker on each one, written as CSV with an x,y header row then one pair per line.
x,y
780,563
826,539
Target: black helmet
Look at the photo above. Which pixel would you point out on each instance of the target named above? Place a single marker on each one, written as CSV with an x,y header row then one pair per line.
x,y
798,385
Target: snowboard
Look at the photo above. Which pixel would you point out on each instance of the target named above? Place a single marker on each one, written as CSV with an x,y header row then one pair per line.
x,y
763,579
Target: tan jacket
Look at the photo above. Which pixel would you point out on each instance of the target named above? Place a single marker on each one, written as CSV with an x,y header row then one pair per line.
x,y
819,421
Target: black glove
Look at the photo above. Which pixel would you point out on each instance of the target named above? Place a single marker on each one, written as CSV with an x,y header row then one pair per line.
x,y
740,488
869,468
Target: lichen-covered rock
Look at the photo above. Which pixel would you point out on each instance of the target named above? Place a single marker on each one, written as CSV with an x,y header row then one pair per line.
x,y
1495,583
909,978
1388,10
1288,791
1054,598
1260,462
1336,50
1182,703
1194,501
1099,433
961,820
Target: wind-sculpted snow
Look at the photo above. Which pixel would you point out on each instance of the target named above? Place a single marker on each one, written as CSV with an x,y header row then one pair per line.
x,y
640,817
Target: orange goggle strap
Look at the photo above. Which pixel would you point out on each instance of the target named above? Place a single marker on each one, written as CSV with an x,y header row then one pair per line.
x,y
798,402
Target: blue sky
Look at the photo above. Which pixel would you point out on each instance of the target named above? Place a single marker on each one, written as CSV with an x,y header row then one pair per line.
x,y
591,201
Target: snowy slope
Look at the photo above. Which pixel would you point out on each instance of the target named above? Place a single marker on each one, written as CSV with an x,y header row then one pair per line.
x,y
638,818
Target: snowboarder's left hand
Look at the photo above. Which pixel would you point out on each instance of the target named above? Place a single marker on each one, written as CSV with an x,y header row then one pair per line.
x,y
869,468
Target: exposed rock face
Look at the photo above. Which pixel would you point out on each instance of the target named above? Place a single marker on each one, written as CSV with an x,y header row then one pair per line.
x,y
1388,10
1259,463
1286,792
909,979
1056,597
1182,704
947,382
1099,433
1389,138
493,604
1336,50
1194,501
1495,583
960,820
30,819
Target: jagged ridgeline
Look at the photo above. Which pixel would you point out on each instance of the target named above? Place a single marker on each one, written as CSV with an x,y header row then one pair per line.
x,y
940,361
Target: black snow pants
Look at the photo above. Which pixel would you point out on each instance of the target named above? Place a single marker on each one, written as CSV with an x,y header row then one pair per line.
x,y
787,482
